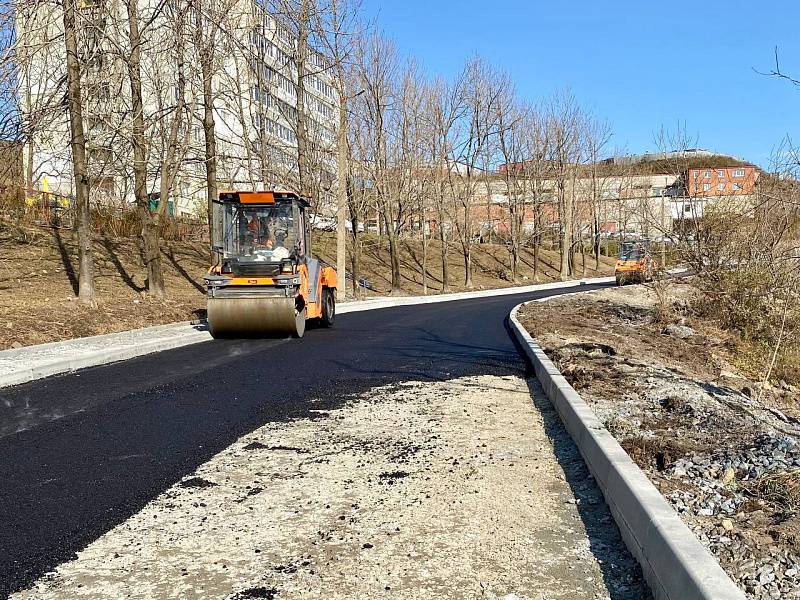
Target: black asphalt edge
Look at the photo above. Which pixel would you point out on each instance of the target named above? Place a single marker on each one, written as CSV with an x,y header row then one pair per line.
x,y
674,562
69,364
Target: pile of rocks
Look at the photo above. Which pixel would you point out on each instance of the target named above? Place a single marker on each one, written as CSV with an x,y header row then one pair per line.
x,y
711,506
776,575
768,453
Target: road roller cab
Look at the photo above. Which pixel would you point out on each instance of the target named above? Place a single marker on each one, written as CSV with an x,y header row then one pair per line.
x,y
265,280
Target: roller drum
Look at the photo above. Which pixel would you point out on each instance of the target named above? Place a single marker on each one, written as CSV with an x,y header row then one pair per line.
x,y
254,316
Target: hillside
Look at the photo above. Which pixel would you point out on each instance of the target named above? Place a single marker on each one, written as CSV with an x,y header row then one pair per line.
x,y
38,282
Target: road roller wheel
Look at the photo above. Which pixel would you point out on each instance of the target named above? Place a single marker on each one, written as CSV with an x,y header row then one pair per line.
x,y
256,317
328,308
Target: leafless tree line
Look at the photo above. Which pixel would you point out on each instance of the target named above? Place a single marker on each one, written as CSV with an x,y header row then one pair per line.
x,y
140,89
425,158
148,100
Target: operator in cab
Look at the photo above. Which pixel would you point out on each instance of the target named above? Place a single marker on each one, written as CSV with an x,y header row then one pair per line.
x,y
279,250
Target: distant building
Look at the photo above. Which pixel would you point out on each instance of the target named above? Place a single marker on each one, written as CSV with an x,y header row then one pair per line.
x,y
646,194
737,180
255,86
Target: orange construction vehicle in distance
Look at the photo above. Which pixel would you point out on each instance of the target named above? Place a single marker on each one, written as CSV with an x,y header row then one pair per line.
x,y
635,263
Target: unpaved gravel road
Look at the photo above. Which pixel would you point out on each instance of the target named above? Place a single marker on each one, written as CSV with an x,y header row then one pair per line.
x,y
451,489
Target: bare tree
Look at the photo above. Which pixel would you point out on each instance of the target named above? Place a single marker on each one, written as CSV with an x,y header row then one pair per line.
x,y
444,108
149,230
538,173
172,135
597,135
206,41
482,90
378,71
86,292
513,121
339,31
564,124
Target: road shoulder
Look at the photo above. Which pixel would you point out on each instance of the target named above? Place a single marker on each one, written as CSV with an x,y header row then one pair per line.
x,y
671,395
456,489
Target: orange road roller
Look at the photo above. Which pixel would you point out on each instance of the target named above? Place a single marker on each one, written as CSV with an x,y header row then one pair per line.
x,y
635,263
265,281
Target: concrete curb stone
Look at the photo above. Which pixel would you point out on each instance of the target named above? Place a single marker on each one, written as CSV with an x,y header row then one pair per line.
x,y
26,364
674,562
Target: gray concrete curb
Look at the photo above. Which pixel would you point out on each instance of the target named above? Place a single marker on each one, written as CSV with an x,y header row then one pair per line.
x,y
185,334
67,356
390,302
676,565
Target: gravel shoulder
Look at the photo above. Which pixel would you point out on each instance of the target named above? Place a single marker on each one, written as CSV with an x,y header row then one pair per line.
x,y
722,450
456,489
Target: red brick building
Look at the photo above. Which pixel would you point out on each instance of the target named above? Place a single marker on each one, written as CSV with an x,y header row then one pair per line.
x,y
721,181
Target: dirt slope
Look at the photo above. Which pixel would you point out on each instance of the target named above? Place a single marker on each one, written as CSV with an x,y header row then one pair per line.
x,y
38,281
724,452
490,265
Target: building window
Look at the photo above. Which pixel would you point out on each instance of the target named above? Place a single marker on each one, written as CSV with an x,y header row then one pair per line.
x,y
687,208
721,187
707,175
736,187
706,187
738,173
720,172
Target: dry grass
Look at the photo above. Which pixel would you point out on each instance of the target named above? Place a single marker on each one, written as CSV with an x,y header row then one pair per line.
x,y
781,490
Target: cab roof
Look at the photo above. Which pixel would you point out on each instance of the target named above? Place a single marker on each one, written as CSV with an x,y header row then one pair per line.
x,y
270,197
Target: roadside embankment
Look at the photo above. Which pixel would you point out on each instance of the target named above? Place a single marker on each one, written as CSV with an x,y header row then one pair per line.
x,y
39,283
721,448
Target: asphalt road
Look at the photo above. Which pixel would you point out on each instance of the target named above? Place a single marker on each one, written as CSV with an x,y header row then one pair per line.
x,y
102,442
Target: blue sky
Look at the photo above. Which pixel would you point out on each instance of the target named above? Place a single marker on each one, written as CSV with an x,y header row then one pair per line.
x,y
639,64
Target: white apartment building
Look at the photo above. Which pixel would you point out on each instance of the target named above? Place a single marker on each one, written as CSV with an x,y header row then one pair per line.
x,y
255,87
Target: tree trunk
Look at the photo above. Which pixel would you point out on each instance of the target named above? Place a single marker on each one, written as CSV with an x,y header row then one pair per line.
x,y
301,130
566,236
355,220
78,146
394,257
468,267
597,246
152,251
424,258
443,242
583,257
170,163
342,185
209,129
355,261
467,250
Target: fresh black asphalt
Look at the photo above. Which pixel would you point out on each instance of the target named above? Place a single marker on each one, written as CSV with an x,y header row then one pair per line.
x,y
81,453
